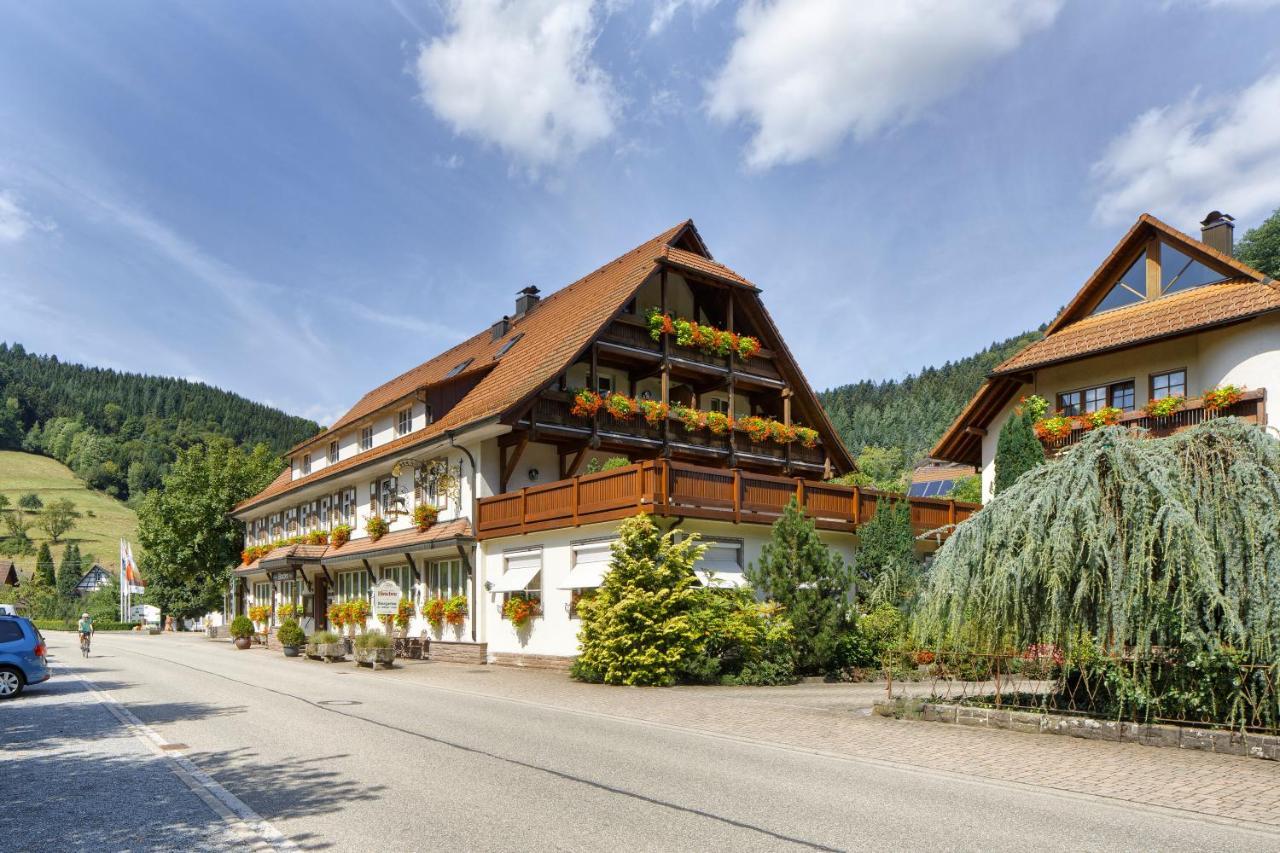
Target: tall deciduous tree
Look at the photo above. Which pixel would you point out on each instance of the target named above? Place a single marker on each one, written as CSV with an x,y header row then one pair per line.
x,y
59,517
810,581
188,541
1260,247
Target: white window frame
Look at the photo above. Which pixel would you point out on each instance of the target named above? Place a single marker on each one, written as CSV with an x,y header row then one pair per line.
x,y
306,464
404,421
351,585
403,576
335,452
446,578
366,438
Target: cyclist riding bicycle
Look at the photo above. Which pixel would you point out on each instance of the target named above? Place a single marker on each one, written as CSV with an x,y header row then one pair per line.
x,y
86,631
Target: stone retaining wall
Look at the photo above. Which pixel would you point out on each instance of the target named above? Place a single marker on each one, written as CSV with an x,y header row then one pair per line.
x,y
1034,722
457,652
533,661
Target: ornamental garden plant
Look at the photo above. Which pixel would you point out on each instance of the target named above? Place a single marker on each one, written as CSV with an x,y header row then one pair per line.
x,y
455,611
425,515
433,610
405,611
339,536
521,610
242,631
291,637
708,339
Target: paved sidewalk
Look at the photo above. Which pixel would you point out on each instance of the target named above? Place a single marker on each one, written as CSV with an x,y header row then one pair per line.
x,y
72,771
836,718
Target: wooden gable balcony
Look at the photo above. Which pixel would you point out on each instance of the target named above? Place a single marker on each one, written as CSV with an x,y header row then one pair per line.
x,y
1251,408
682,490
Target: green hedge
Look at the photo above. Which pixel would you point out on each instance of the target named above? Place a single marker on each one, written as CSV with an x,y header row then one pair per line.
x,y
70,625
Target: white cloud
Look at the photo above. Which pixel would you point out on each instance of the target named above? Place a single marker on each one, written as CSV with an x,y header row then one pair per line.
x,y
519,75
809,73
16,222
665,10
1182,160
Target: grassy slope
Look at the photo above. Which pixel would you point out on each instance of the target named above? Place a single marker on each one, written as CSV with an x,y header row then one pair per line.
x,y
24,472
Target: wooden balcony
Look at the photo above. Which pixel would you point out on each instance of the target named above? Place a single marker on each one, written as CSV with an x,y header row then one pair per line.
x,y
692,491
1251,408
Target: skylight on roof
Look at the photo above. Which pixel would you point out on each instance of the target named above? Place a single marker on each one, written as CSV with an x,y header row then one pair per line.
x,y
507,346
458,368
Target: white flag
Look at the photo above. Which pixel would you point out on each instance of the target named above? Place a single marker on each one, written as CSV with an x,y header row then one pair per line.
x,y
129,575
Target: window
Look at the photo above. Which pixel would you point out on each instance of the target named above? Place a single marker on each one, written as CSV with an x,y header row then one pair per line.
x,y
333,453
507,346
590,561
366,438
429,417
604,383
1070,403
291,522
1122,395
404,421
458,368
388,499
720,404
10,631
1178,272
403,576
262,593
520,577
1171,384
446,578
306,464
721,564
350,585
289,592
1095,398
349,506
1130,289
324,512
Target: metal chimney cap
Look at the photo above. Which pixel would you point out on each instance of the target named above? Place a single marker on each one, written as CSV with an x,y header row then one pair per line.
x,y
1215,217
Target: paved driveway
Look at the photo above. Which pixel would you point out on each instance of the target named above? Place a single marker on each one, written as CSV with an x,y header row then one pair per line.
x,y
435,755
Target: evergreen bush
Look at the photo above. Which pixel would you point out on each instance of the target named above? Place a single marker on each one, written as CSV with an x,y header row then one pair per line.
x,y
290,633
241,628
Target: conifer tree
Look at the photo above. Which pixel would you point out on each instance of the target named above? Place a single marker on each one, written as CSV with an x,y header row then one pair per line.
x,y
1017,450
69,573
887,565
44,564
810,581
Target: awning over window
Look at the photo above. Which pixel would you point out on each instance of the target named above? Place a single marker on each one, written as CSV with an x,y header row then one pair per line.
x,y
521,568
721,565
590,562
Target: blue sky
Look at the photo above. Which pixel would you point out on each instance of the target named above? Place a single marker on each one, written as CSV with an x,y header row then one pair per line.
x,y
298,200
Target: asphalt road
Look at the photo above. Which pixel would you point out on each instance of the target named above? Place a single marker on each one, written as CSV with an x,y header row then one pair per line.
x,y
334,758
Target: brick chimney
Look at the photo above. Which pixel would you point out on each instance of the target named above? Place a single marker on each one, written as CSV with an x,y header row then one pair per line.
x,y
1218,231
526,300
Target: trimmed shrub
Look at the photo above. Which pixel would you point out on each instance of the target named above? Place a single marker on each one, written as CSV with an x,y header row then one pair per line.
x,y
291,633
241,627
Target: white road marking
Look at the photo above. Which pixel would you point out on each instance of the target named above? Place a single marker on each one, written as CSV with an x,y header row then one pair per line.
x,y
256,831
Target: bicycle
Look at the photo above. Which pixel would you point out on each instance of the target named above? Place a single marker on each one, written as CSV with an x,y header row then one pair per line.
x,y
84,644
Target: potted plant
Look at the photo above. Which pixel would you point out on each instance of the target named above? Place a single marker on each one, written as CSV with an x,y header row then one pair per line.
x,y
806,436
455,611
339,536
586,403
1165,406
520,611
718,423
337,616
358,613
622,407
1054,428
242,631
376,527
326,645
405,611
425,515
1106,416
318,537
291,637
1222,397
259,614
288,610
434,611
374,648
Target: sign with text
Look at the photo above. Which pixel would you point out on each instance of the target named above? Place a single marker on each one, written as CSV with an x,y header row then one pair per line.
x,y
386,598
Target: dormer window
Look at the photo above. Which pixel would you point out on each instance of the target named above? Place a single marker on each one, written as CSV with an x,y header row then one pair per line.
x,y
404,421
1171,271
366,438
306,464
333,453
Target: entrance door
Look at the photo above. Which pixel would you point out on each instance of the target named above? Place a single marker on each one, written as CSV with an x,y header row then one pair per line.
x,y
320,603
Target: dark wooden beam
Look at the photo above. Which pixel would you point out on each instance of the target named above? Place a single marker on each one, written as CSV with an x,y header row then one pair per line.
x,y
509,464
372,579
413,567
580,456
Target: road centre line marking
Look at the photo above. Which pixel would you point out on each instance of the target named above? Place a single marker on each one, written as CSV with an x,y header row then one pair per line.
x,y
1186,814
257,831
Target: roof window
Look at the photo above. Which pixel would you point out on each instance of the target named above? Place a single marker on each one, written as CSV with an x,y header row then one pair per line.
x,y
458,368
507,346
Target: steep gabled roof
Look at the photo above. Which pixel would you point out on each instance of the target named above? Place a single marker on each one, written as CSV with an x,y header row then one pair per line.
x,y
1078,333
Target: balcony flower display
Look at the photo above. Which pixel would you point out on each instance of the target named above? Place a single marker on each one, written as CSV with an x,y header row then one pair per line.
x,y
1034,405
708,339
1106,416
654,411
376,527
586,403
425,515
781,433
622,407
692,419
1165,406
756,427
318,537
718,423
1222,397
808,437
339,536
1054,427
433,610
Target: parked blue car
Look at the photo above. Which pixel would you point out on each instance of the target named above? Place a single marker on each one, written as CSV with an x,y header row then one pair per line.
x,y
22,656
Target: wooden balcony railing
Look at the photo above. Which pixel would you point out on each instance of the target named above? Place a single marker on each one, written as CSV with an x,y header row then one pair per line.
x,y
1251,407
694,491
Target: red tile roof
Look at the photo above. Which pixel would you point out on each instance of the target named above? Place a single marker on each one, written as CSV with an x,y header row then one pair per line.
x,y
400,540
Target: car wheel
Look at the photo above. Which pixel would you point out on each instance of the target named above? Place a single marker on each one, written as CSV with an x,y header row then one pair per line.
x,y
11,683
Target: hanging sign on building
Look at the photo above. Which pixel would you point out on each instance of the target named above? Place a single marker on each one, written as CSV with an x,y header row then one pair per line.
x,y
386,598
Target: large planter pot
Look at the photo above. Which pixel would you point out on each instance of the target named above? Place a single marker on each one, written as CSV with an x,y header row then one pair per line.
x,y
243,643
290,651
331,651
375,657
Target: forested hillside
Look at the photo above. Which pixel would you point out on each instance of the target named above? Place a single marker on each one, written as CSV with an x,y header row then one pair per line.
x,y
119,432
912,413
